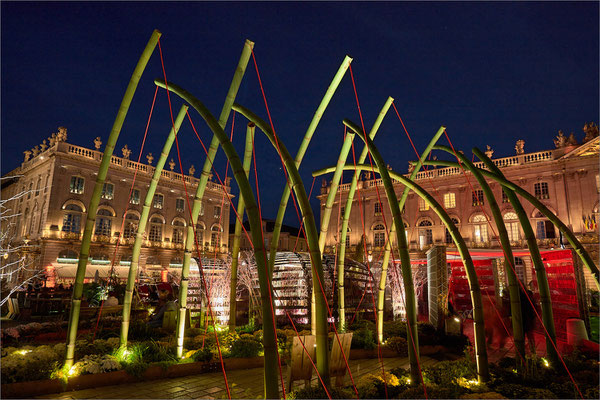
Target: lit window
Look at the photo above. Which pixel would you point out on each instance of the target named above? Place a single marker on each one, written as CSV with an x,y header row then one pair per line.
x,y
377,208
178,232
135,197
449,200
72,219
541,190
77,184
423,205
505,197
217,212
155,230
215,236
477,196
179,205
480,229
512,226
38,185
131,224
425,233
379,235
103,222
158,201
108,190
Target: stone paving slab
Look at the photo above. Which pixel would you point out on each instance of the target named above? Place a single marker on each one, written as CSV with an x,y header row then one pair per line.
x,y
246,383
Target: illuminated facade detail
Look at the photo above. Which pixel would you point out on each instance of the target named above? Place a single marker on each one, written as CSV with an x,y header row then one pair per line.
x,y
54,214
565,179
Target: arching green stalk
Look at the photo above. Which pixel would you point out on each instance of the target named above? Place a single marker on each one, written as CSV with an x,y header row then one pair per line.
x,y
346,218
411,310
197,205
388,245
480,350
509,259
141,230
300,155
95,199
312,238
271,378
235,247
326,214
573,241
536,257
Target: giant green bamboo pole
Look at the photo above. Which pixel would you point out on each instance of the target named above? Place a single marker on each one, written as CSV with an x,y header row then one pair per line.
x,y
536,257
312,238
141,230
573,241
235,247
509,259
95,199
346,218
480,350
300,154
269,338
197,205
411,310
326,215
388,245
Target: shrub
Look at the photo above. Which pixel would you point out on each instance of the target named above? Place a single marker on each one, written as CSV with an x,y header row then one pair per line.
x,y
317,392
29,364
433,392
363,338
203,355
245,347
516,391
95,364
153,351
447,373
399,345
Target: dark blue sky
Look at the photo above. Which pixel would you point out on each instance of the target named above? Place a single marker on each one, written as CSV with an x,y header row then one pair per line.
x,y
491,72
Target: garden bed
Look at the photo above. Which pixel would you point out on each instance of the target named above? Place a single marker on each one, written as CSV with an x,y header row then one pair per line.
x,y
154,372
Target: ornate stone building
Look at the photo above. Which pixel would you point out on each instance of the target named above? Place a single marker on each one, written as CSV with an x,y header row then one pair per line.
x,y
57,179
565,179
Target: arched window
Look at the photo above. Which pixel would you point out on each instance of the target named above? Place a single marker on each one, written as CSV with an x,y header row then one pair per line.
x,y
26,221
215,236
103,222
72,218
156,225
131,224
178,226
34,218
448,238
511,221
520,268
379,235
425,233
480,234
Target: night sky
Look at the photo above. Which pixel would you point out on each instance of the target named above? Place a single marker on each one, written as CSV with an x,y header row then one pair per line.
x,y
491,72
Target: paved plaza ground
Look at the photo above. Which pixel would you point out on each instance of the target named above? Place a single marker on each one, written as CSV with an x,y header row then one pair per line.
x,y
244,383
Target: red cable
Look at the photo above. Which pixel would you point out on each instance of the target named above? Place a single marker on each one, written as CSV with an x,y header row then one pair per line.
x,y
112,264
191,219
298,214
265,257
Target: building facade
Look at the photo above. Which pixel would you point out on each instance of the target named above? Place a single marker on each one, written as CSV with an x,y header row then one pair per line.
x,y
50,192
290,238
565,179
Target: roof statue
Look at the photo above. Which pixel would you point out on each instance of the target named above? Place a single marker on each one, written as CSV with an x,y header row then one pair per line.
x,y
520,146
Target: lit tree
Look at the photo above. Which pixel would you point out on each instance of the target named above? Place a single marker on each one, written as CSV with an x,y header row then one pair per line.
x,y
17,257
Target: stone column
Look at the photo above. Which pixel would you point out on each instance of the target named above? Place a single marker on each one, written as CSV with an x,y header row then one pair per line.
x,y
437,287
